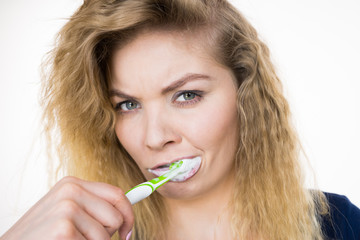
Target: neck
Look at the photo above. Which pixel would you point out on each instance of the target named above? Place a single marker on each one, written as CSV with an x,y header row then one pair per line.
x,y
206,217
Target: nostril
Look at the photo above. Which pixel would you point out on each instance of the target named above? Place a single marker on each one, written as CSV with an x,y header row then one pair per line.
x,y
170,142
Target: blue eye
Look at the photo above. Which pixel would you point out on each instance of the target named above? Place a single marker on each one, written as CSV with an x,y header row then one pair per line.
x,y
127,106
186,96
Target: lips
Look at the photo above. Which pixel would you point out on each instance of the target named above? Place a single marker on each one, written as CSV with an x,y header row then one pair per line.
x,y
163,168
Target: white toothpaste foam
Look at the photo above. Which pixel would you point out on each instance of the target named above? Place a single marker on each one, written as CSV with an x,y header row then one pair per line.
x,y
191,167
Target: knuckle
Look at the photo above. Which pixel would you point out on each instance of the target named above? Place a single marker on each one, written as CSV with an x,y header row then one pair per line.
x,y
121,202
119,193
119,197
67,179
70,190
68,208
117,222
65,229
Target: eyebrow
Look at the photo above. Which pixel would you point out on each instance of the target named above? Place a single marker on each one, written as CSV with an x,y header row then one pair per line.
x,y
176,84
120,94
183,80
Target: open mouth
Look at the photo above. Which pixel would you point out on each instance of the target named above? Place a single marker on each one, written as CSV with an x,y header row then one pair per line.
x,y
194,167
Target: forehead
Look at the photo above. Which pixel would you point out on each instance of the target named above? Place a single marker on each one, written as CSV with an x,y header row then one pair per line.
x,y
157,55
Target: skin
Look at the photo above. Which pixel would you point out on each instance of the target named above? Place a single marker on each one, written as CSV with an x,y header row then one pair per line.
x,y
76,209
174,100
167,121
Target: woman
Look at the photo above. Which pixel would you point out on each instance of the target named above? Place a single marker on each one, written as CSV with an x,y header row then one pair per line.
x,y
135,85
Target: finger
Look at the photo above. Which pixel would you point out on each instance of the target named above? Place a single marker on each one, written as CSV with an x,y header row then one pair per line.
x,y
98,208
72,217
101,210
123,232
114,195
66,229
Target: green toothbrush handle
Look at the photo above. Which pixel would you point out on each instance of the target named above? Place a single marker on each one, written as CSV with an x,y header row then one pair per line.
x,y
139,192
144,190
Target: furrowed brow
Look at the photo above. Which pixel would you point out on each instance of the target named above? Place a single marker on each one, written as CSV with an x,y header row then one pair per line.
x,y
182,81
176,84
120,94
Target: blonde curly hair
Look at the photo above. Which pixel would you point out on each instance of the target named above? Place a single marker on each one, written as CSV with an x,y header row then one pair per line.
x,y
270,200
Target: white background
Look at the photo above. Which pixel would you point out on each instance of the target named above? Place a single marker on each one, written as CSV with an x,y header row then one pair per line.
x,y
315,46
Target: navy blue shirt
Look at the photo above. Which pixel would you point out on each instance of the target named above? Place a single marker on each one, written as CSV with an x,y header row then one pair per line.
x,y
344,220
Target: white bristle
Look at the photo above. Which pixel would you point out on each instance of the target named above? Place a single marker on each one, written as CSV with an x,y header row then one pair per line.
x,y
187,166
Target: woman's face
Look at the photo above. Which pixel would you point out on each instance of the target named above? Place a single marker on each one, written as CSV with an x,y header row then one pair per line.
x,y
173,102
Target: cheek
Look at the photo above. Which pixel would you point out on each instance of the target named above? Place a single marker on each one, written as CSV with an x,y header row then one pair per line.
x,y
128,135
213,124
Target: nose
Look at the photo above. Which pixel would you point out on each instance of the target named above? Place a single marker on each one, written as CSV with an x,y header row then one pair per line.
x,y
160,130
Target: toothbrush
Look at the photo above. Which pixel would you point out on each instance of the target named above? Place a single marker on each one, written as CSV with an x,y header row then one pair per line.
x,y
144,190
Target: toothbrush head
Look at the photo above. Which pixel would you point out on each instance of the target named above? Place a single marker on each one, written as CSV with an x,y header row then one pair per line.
x,y
187,168
176,164
178,171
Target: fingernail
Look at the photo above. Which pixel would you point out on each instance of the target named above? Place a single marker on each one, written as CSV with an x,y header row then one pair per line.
x,y
129,235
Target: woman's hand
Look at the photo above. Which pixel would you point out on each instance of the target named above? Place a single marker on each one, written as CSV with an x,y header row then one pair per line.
x,y
76,209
